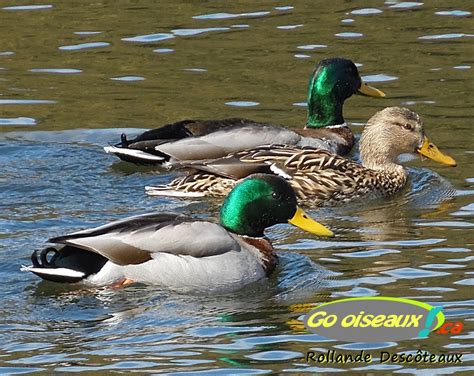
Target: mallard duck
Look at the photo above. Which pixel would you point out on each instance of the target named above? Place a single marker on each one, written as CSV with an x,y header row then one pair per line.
x,y
320,177
331,83
180,252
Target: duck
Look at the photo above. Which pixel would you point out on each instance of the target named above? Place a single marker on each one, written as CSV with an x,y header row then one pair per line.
x,y
179,252
318,176
332,82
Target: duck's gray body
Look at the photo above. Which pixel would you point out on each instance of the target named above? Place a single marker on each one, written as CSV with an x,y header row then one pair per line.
x,y
169,250
209,139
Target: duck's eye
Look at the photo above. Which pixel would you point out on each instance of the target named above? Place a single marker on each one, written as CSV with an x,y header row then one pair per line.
x,y
407,126
276,196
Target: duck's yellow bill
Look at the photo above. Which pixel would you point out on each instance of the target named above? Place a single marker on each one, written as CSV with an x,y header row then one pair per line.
x,y
431,151
370,91
305,222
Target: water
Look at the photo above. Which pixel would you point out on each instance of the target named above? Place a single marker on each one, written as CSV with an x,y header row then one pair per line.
x,y
73,78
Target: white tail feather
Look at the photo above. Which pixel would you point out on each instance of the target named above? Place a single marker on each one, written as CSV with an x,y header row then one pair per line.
x,y
163,191
63,272
133,153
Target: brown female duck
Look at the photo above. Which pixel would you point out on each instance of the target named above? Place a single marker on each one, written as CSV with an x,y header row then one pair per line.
x,y
318,176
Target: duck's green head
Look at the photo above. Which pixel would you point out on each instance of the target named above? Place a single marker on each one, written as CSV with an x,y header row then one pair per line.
x,y
331,83
261,201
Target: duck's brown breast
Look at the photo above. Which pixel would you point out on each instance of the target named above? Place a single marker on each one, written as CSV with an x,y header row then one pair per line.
x,y
264,246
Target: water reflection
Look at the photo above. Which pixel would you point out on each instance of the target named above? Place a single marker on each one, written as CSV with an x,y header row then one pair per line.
x,y
83,46
198,64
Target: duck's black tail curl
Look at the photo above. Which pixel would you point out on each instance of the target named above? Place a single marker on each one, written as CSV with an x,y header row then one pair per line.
x,y
68,264
123,141
40,258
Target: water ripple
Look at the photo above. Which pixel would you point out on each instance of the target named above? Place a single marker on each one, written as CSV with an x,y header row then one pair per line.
x,y
88,32
91,136
82,46
163,50
190,32
411,273
445,36
18,121
467,282
275,355
242,103
379,78
349,35
25,101
366,11
449,249
54,182
128,78
405,5
224,16
370,253
464,211
456,224
321,244
311,46
455,13
28,7
56,70
289,27
149,38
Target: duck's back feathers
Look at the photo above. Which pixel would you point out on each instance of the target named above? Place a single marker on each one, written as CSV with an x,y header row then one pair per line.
x,y
197,139
141,149
122,249
194,140
232,139
183,129
318,176
164,249
135,240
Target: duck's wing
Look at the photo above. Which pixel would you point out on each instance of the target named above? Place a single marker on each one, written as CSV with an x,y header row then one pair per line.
x,y
216,177
185,128
196,140
230,140
141,149
229,167
282,160
316,175
136,239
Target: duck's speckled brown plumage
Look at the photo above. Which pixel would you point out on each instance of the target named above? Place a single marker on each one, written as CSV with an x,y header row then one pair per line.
x,y
318,176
